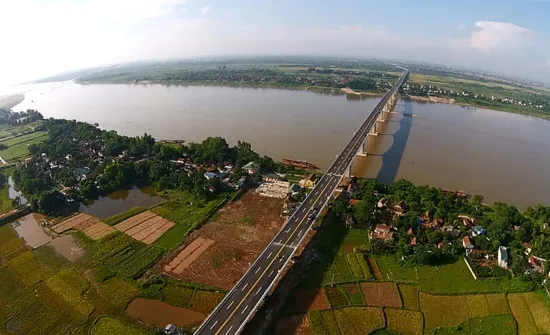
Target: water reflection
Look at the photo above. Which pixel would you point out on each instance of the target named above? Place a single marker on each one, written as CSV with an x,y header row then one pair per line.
x,y
120,201
15,194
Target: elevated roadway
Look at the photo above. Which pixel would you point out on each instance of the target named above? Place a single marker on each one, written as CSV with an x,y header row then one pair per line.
x,y
242,302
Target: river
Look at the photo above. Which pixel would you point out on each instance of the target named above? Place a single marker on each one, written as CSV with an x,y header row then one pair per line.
x,y
500,155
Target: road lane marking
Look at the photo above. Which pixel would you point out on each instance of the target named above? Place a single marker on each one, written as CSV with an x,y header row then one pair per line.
x,y
259,268
244,287
229,330
281,259
268,266
244,310
271,253
258,292
214,325
231,304
286,231
269,275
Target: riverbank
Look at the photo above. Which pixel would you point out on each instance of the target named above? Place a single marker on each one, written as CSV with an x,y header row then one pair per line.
x,y
348,90
500,108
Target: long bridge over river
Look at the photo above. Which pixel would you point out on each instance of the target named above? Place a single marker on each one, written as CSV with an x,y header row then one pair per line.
x,y
243,301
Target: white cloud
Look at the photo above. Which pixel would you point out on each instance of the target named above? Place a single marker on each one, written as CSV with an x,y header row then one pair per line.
x,y
492,36
205,10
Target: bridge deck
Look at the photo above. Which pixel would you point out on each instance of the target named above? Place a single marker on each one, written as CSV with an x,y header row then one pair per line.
x,y
240,304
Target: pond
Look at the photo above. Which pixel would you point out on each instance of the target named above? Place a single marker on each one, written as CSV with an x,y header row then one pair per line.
x,y
29,229
14,194
158,313
120,201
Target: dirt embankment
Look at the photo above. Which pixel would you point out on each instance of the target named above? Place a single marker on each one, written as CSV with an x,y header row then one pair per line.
x,y
240,232
348,90
450,101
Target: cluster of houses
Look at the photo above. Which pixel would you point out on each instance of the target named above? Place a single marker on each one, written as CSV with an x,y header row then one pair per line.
x,y
387,233
431,90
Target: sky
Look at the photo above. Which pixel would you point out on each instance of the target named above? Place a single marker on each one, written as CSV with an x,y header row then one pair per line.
x,y
45,37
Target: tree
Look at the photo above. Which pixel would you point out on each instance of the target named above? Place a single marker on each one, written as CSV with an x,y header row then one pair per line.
x,y
339,208
50,203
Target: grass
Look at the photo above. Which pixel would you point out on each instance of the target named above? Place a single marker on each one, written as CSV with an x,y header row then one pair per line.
x,y
186,212
17,147
489,325
445,279
12,130
117,292
404,321
113,220
108,326
6,204
48,257
11,245
409,296
177,295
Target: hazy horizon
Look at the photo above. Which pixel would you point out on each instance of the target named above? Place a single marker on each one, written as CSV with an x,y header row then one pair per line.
x,y
502,37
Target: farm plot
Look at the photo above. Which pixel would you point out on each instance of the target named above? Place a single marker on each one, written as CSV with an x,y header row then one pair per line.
x,y
146,227
295,324
108,325
205,301
18,147
11,245
188,255
434,305
126,256
364,319
540,312
409,295
70,285
522,314
311,300
404,321
502,324
381,294
28,269
98,231
85,223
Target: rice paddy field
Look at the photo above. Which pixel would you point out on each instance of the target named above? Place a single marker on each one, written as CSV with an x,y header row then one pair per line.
x,y
16,148
407,300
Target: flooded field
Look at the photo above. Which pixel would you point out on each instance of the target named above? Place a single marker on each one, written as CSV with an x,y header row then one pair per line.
x,y
120,201
29,229
69,247
158,313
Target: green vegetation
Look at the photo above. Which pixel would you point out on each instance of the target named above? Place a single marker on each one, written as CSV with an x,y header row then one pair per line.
x,y
186,211
126,256
481,92
17,148
177,295
409,296
404,321
117,218
70,285
494,324
107,326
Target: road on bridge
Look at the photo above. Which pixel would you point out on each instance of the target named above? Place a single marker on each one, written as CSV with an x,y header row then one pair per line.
x,y
240,304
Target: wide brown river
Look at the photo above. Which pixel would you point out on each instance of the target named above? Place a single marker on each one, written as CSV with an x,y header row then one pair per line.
x,y
503,156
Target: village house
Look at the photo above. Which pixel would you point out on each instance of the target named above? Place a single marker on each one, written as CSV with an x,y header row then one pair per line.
x,y
382,232
536,263
354,202
295,189
467,243
503,257
478,230
466,220
210,175
252,168
399,208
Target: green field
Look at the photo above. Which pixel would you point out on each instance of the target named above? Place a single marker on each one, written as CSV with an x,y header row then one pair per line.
x,y
17,147
186,212
489,325
7,130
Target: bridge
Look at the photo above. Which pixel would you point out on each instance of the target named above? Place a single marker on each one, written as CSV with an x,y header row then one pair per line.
x,y
243,301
